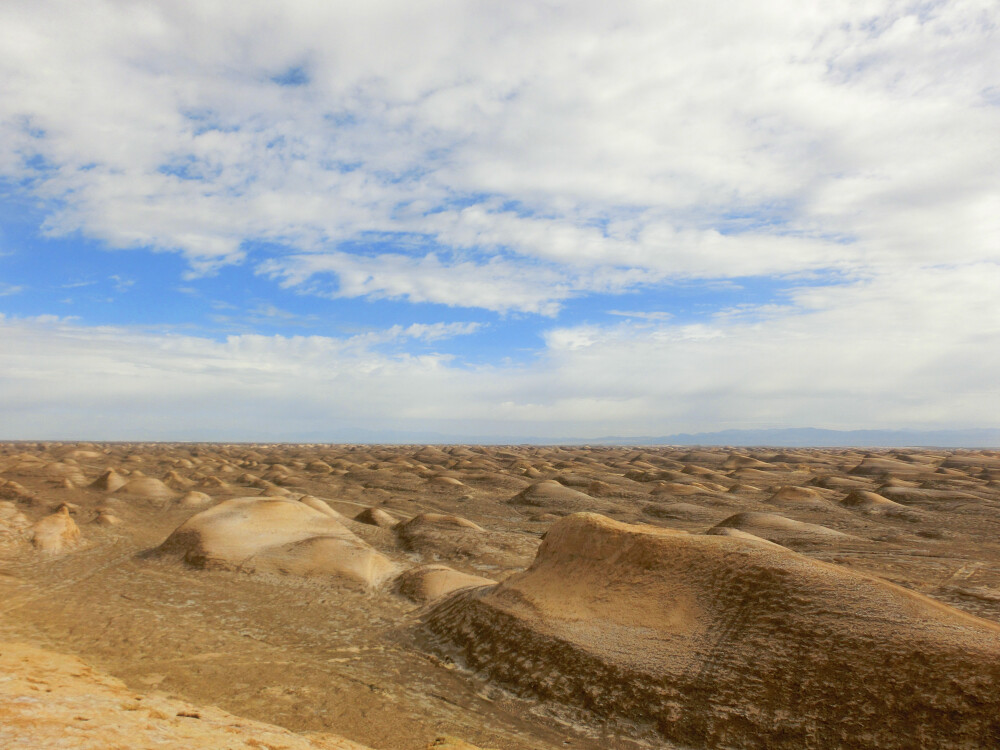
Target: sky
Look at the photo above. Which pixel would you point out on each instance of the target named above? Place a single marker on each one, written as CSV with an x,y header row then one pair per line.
x,y
311,219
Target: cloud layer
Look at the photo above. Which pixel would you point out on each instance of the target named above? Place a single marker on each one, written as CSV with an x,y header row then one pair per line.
x,y
578,140
882,354
519,158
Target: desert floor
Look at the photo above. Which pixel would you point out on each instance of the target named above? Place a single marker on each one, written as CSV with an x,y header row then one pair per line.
x,y
347,635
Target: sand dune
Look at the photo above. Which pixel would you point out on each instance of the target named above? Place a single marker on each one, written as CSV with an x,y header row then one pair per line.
x,y
717,642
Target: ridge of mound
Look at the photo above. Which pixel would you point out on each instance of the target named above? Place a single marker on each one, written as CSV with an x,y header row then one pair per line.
x,y
257,534
715,642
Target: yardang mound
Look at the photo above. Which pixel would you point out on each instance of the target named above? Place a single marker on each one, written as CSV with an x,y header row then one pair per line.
x,y
276,535
716,642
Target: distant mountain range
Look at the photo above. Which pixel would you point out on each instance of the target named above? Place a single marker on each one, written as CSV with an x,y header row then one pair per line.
x,y
811,437
792,437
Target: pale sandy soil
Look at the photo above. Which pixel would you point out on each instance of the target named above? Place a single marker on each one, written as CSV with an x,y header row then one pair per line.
x,y
290,612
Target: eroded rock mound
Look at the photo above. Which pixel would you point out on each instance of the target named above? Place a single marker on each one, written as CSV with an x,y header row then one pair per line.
x,y
256,534
56,533
109,481
429,582
716,642
784,531
148,488
551,494
376,517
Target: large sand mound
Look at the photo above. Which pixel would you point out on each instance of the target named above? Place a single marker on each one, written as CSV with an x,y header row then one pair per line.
x,y
276,535
716,642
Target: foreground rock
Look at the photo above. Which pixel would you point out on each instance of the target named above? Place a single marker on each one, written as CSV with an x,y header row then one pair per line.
x,y
713,641
48,700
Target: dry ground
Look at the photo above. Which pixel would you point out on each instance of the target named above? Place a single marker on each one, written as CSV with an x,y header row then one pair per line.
x,y
324,653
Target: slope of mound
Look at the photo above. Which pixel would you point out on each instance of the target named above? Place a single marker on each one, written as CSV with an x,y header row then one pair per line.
x,y
781,530
716,642
276,535
49,700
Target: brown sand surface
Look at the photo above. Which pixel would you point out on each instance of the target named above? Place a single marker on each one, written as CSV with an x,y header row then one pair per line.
x,y
392,595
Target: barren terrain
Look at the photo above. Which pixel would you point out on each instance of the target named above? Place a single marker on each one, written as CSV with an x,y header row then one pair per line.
x,y
389,595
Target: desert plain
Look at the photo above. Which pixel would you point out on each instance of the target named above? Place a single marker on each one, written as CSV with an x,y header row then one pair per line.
x,y
508,597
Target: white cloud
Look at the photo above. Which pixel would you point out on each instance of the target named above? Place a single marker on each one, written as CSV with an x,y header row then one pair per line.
x,y
634,141
889,352
497,285
512,157
653,315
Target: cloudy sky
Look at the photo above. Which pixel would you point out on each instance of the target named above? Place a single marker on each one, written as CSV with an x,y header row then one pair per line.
x,y
260,221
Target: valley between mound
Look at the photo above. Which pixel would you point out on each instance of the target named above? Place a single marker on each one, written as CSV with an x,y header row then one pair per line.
x,y
393,594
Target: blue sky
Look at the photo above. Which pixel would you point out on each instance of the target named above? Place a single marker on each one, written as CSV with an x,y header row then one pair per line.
x,y
565,220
